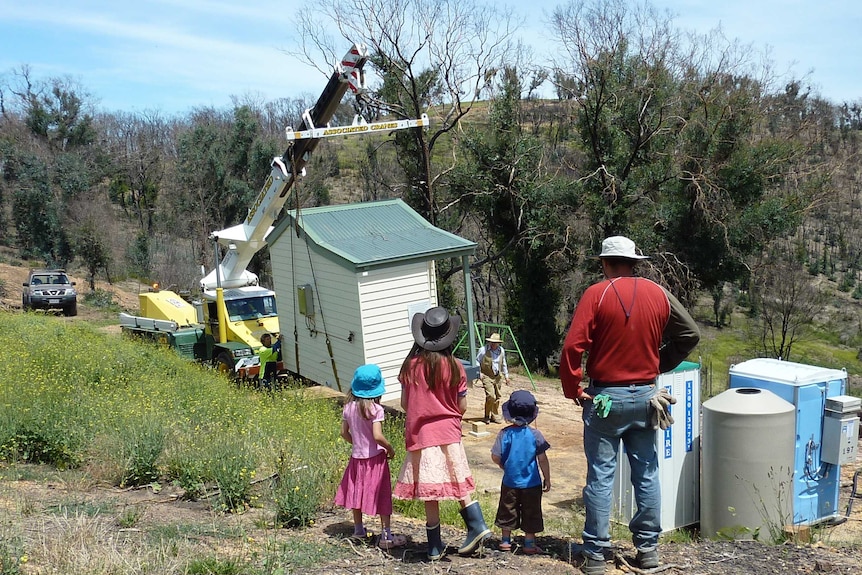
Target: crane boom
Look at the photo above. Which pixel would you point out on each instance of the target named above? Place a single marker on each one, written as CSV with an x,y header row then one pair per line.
x,y
247,238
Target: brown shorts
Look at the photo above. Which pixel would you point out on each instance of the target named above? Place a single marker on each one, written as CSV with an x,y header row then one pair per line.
x,y
520,509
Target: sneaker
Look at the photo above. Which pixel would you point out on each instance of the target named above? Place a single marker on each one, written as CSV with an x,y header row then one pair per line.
x,y
590,566
648,559
394,540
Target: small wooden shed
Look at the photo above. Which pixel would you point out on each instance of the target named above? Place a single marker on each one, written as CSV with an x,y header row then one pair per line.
x,y
348,279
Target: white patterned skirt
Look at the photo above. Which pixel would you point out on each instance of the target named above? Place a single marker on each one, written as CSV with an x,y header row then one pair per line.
x,y
436,473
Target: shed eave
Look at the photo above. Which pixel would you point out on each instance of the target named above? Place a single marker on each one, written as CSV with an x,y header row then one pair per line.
x,y
426,256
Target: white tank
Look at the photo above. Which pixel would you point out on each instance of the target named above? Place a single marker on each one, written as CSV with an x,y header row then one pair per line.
x,y
747,469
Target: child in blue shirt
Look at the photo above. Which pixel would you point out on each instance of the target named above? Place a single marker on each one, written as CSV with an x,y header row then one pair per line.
x,y
519,450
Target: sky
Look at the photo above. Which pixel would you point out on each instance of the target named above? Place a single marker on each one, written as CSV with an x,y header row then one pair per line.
x,y
172,56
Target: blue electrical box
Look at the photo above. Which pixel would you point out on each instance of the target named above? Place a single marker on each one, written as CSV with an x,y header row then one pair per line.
x,y
815,482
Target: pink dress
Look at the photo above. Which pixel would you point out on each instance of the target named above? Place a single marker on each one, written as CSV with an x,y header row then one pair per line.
x,y
435,467
366,484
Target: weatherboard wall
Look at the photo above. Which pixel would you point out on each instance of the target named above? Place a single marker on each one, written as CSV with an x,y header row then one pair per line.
x,y
388,298
365,313
336,314
370,267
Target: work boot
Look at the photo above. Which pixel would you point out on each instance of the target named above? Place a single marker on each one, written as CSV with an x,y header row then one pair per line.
x,y
648,559
489,409
477,531
435,544
590,566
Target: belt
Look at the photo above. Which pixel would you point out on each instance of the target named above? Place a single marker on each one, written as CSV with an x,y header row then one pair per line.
x,y
597,383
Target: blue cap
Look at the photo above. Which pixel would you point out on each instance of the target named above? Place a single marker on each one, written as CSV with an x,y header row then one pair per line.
x,y
367,382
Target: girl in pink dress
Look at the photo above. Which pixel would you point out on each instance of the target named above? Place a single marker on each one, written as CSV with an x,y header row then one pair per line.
x,y
434,398
366,487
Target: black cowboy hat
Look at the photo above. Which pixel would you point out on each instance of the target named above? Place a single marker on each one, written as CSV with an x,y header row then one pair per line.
x,y
435,330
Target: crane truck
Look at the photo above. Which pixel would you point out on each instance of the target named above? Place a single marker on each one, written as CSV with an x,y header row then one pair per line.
x,y
225,324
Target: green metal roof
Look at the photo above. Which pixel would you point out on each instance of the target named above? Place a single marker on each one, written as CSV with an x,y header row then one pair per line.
x,y
372,234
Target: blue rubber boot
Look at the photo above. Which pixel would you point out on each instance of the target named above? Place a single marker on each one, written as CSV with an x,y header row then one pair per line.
x,y
477,531
435,544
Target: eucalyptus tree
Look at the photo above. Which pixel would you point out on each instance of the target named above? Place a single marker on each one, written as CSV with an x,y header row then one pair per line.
x,y
52,158
427,53
673,139
139,145
222,160
788,303
517,208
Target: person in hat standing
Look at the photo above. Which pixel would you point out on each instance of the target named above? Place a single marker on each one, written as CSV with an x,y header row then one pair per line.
x,y
434,399
491,360
632,329
366,486
519,450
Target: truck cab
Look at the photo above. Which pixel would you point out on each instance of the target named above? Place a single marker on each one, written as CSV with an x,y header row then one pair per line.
x,y
249,312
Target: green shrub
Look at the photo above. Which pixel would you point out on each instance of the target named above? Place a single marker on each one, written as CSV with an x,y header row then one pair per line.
x,y
232,466
40,442
101,299
187,471
213,566
298,495
142,444
10,556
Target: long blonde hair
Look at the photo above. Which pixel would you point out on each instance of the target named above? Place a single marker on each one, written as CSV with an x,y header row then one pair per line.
x,y
431,362
366,404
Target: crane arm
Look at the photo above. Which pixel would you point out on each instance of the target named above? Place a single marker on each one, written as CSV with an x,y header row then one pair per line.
x,y
245,239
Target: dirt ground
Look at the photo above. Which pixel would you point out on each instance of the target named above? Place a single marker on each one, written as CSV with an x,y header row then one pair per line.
x,y
838,550
125,294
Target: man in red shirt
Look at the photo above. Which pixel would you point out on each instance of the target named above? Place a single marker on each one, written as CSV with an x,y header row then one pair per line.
x,y
632,329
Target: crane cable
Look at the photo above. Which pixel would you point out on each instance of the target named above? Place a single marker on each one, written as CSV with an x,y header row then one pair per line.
x,y
314,287
323,318
293,277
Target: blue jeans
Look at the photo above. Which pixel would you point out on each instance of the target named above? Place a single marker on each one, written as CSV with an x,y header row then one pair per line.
x,y
629,421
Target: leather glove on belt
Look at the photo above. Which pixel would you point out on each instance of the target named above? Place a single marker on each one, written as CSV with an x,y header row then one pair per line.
x,y
661,402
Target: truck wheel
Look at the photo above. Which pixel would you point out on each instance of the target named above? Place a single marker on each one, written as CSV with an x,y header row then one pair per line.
x,y
224,364
71,310
24,305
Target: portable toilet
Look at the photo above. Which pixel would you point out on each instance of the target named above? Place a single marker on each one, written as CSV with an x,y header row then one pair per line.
x,y
815,393
678,455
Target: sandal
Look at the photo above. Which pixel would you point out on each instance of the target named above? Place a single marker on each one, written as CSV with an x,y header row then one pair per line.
x,y
504,546
395,541
360,534
533,550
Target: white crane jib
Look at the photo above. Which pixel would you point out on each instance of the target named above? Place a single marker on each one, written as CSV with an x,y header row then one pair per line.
x,y
246,239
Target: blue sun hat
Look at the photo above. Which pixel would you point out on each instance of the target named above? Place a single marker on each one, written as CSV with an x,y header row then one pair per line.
x,y
367,382
521,409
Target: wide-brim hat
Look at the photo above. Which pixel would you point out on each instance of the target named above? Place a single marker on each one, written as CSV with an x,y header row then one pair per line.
x,y
367,382
620,247
494,338
521,408
435,330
